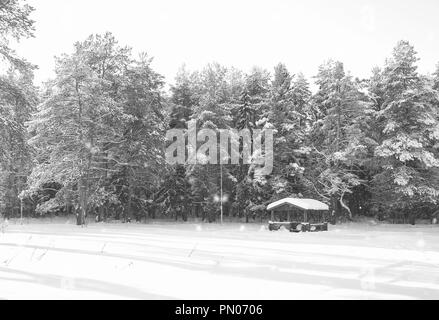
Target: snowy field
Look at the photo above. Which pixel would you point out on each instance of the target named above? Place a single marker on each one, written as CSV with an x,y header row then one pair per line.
x,y
58,260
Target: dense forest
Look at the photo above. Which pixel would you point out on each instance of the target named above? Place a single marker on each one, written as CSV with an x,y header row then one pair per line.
x,y
91,141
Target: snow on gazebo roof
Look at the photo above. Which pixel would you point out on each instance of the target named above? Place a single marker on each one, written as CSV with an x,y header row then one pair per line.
x,y
305,204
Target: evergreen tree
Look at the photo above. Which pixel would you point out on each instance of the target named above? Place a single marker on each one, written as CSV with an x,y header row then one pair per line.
x,y
140,156
406,152
287,105
337,139
248,115
175,193
301,96
97,130
183,98
18,97
216,100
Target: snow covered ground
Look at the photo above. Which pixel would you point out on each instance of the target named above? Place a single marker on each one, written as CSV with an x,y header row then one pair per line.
x,y
59,260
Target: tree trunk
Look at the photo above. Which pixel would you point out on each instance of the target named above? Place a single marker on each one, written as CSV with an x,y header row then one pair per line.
x,y
82,209
346,207
127,211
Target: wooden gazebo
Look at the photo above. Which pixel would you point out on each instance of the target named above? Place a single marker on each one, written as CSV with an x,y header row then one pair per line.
x,y
299,214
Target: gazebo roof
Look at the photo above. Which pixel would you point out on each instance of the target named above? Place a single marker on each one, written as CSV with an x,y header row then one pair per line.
x,y
304,204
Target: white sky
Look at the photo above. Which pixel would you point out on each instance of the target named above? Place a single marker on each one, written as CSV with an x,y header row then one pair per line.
x,y
240,33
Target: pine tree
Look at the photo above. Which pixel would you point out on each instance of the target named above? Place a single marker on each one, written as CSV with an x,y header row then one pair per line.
x,y
245,119
15,24
140,156
20,99
184,98
406,153
98,129
248,113
336,138
17,99
175,193
301,96
216,100
287,104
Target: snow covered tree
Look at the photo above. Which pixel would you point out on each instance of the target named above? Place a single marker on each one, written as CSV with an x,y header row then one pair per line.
x,y
337,140
175,193
301,96
66,129
98,128
407,152
281,98
436,78
217,95
15,23
287,114
18,97
245,119
184,97
247,114
140,155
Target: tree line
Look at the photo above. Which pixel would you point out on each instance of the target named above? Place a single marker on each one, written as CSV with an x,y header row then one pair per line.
x,y
91,141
